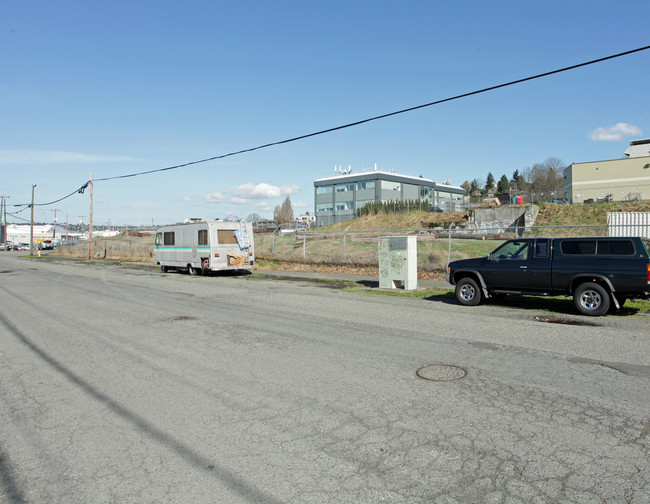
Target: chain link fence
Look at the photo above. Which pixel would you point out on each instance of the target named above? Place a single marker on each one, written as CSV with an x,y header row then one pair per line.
x,y
359,249
119,248
435,246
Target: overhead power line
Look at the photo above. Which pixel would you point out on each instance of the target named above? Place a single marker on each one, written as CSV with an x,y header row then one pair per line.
x,y
356,123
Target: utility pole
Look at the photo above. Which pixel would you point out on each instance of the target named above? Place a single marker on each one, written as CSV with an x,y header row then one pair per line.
x,y
3,211
54,228
31,230
90,219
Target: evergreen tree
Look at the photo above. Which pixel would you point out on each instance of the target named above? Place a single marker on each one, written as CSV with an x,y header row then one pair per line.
x,y
503,186
489,183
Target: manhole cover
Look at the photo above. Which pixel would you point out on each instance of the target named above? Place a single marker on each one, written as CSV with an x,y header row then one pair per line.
x,y
441,372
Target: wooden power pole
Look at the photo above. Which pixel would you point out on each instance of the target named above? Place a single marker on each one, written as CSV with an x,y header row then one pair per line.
x,y
31,229
90,223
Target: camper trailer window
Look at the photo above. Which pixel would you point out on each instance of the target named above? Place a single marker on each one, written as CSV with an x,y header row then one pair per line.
x,y
203,236
226,236
170,238
158,240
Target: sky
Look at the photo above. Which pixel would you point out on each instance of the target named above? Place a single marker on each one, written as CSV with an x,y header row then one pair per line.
x,y
123,87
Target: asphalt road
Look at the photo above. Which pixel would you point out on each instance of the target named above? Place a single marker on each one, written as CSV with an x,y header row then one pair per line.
x,y
120,384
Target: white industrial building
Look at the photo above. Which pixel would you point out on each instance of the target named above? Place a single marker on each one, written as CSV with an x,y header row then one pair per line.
x,y
21,233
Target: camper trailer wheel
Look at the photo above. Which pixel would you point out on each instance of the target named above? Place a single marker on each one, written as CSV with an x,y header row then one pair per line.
x,y
191,270
164,269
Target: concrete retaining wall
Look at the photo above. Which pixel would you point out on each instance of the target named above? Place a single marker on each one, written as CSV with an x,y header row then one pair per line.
x,y
505,219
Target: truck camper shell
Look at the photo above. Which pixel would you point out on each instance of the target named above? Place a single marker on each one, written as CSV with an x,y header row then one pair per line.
x,y
200,246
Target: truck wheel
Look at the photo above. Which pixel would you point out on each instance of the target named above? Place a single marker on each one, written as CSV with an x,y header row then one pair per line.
x,y
468,292
591,299
191,270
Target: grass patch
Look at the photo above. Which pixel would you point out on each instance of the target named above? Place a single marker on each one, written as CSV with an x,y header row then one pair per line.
x,y
638,305
430,294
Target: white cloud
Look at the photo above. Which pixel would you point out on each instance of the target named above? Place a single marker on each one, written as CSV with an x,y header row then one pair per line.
x,y
239,201
188,199
255,195
616,133
264,190
263,206
9,156
215,197
298,204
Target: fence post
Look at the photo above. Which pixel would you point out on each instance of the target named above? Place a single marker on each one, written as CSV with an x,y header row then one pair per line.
x,y
451,226
304,246
345,234
273,241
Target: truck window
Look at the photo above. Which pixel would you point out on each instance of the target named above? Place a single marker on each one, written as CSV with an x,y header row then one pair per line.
x,y
170,238
158,240
578,247
514,250
615,247
541,248
203,236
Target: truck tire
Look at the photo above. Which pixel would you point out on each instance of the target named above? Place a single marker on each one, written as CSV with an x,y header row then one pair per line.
x,y
591,299
468,292
191,270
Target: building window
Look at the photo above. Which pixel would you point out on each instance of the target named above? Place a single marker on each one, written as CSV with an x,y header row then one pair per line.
x,y
345,187
365,184
344,205
362,203
325,207
325,189
203,236
392,186
426,193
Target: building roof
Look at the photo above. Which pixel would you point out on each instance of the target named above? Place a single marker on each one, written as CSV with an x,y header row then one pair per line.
x,y
374,174
638,148
38,228
625,159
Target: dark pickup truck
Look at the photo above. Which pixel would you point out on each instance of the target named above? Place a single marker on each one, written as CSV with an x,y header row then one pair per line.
x,y
598,272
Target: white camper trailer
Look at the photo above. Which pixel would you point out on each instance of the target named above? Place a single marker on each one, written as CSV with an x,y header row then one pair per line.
x,y
201,246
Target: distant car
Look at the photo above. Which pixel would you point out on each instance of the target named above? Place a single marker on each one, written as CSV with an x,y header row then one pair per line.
x,y
22,246
47,245
2,246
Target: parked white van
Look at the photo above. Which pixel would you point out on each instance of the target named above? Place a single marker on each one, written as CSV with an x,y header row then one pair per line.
x,y
201,246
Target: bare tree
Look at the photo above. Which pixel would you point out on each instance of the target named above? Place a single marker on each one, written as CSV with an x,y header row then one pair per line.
x,y
545,179
283,214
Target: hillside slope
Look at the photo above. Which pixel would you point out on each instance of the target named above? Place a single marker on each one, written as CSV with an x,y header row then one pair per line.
x,y
550,214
